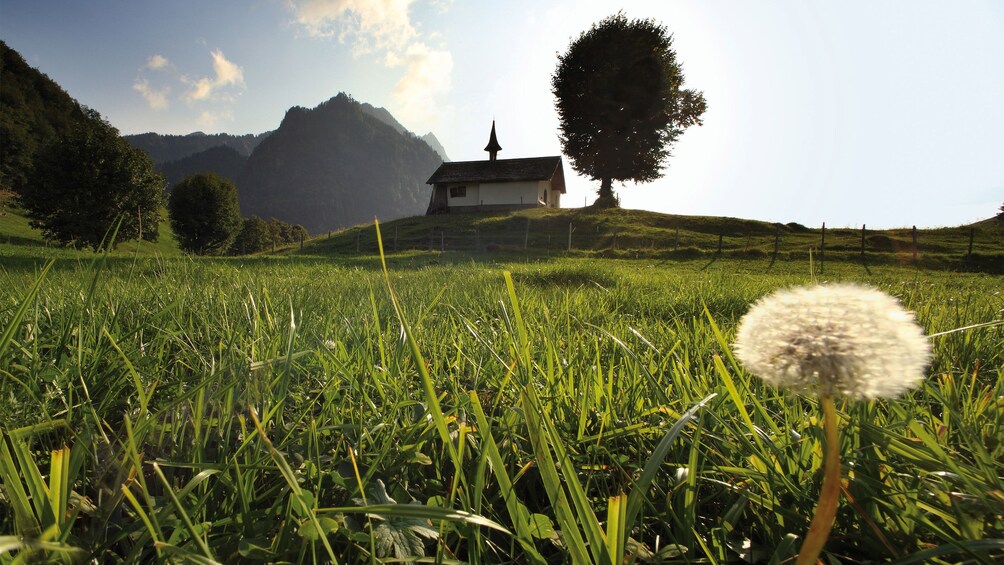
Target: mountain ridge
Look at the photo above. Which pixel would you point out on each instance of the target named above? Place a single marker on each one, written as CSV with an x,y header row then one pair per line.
x,y
164,148
337,165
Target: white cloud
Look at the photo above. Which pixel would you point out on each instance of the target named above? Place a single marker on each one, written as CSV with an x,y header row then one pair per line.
x,y
227,74
370,24
210,120
155,99
427,75
201,89
210,98
226,71
156,62
384,28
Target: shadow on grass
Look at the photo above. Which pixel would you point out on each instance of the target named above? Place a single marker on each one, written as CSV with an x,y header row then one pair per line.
x,y
25,241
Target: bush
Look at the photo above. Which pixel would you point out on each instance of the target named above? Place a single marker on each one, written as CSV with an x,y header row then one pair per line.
x,y
253,237
205,214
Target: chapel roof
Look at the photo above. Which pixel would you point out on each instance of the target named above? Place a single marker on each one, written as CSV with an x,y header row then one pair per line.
x,y
502,170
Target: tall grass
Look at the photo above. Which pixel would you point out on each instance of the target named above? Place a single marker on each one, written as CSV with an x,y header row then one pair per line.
x,y
312,410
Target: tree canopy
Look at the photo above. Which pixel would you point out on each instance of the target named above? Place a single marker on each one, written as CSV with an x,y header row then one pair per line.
x,y
621,102
205,214
84,182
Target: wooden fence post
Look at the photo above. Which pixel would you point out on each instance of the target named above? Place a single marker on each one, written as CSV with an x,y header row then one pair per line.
x,y
526,236
442,240
914,243
569,236
862,240
822,246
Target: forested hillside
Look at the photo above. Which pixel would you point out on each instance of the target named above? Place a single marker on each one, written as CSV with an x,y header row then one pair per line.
x,y
223,160
33,109
166,148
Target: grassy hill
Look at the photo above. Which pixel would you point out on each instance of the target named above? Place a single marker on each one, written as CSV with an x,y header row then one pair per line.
x,y
607,233
639,233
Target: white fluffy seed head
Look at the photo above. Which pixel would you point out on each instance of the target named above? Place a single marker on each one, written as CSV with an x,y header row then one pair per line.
x,y
835,339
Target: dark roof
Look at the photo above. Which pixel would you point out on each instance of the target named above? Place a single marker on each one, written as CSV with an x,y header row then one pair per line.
x,y
502,170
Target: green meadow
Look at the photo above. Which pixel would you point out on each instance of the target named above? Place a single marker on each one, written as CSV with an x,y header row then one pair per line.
x,y
524,404
463,409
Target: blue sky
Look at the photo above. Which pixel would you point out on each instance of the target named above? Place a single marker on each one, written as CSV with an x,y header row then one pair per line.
x,y
887,113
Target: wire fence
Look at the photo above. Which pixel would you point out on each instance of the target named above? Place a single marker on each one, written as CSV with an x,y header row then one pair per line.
x,y
784,239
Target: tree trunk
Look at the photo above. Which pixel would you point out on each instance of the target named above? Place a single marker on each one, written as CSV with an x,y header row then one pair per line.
x,y
606,188
606,198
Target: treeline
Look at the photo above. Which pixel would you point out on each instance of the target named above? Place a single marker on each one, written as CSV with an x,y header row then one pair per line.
x,y
257,235
206,219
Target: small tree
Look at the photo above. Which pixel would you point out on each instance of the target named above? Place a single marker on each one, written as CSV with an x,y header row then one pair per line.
x,y
621,102
86,181
298,233
205,214
254,236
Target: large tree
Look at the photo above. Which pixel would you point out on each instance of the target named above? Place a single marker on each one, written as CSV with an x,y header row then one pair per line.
x,y
621,102
89,180
205,214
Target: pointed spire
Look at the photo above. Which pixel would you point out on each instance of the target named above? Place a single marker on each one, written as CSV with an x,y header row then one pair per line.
x,y
493,144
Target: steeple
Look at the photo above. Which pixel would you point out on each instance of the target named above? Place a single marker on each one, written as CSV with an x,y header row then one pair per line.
x,y
493,144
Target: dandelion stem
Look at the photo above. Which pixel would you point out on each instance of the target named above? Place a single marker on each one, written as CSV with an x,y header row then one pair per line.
x,y
829,495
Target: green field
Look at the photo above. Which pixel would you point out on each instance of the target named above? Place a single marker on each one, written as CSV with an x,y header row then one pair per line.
x,y
509,402
272,409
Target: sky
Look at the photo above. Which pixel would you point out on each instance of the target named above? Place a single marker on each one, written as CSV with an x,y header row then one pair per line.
x,y
886,113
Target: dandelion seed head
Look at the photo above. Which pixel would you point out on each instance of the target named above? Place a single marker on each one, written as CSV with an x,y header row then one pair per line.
x,y
834,339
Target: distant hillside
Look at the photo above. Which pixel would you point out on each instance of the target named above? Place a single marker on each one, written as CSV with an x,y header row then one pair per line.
x,y
335,166
223,160
166,148
33,109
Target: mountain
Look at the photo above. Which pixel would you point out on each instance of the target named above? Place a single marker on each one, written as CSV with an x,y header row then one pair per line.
x,y
334,166
223,160
33,109
386,117
434,143
166,148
